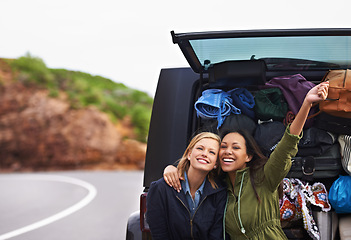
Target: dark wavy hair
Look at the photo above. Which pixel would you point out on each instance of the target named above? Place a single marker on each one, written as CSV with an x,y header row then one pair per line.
x,y
258,158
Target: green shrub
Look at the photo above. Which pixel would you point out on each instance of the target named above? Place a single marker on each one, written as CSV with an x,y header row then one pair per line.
x,y
141,119
114,108
83,89
53,93
33,70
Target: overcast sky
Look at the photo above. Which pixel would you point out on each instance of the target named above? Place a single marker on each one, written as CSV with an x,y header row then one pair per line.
x,y
129,41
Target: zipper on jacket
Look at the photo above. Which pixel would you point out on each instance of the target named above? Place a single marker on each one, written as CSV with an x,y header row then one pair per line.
x,y
191,228
192,218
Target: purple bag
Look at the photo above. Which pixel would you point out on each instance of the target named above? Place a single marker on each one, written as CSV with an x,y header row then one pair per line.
x,y
294,88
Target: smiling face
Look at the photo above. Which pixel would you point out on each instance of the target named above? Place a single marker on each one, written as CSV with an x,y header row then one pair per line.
x,y
203,156
232,152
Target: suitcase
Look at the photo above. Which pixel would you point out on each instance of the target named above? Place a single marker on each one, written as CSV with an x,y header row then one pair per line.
x,y
296,233
327,223
294,230
327,165
333,124
345,227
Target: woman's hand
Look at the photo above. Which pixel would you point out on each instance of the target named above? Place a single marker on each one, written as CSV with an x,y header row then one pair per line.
x,y
318,93
171,176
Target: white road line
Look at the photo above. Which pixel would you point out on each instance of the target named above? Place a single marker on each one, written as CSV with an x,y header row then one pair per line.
x,y
85,201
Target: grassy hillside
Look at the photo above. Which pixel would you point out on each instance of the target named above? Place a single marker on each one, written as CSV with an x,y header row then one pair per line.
x,y
83,90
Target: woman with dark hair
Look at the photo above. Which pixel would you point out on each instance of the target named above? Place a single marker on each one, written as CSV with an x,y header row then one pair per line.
x,y
253,180
197,211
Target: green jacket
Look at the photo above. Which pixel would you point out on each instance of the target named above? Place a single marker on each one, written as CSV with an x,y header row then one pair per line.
x,y
260,220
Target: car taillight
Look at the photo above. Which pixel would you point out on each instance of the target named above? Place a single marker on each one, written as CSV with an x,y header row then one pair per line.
x,y
143,224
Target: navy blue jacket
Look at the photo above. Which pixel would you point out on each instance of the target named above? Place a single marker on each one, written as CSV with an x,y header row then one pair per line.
x,y
169,217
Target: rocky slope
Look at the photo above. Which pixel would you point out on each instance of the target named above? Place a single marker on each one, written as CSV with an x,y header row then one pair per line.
x,y
40,133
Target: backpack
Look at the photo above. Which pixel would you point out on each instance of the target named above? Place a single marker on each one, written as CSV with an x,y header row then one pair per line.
x,y
338,102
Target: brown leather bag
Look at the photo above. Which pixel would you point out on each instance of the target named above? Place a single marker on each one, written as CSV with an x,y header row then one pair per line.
x,y
338,102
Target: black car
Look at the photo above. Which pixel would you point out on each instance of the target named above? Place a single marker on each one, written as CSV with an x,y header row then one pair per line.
x,y
227,60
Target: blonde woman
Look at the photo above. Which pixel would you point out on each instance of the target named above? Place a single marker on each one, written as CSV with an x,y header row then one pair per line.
x,y
197,210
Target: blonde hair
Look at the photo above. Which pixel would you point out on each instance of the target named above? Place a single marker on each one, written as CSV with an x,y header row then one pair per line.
x,y
184,163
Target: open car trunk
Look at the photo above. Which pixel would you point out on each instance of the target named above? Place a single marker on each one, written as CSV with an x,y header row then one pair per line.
x,y
227,60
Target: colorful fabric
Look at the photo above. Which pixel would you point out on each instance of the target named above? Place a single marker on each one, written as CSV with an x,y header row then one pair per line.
x,y
297,199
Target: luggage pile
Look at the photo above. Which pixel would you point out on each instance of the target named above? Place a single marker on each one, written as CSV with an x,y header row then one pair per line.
x,y
321,171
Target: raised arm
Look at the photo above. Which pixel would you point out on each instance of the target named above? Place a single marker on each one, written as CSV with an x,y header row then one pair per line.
x,y
279,161
316,94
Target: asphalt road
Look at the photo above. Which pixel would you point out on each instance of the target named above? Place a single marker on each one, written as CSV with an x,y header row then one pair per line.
x,y
77,205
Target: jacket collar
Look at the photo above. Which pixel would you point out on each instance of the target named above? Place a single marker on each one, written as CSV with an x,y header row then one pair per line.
x,y
207,189
238,179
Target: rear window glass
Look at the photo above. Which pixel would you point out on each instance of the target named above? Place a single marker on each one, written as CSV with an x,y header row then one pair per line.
x,y
318,51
